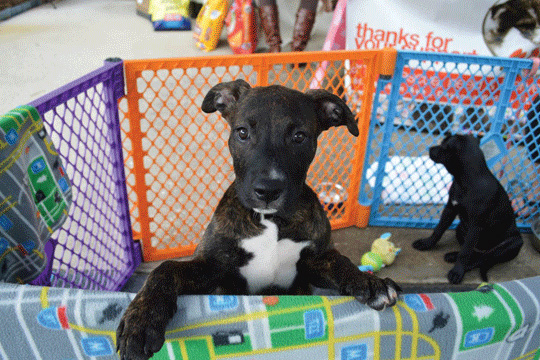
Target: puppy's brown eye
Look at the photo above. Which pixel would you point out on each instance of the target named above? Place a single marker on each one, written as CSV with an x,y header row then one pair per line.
x,y
299,137
242,133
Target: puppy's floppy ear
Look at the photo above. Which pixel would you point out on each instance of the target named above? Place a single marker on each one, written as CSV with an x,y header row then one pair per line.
x,y
332,111
223,97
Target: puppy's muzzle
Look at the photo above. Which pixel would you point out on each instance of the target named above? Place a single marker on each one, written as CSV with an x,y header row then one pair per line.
x,y
268,191
434,153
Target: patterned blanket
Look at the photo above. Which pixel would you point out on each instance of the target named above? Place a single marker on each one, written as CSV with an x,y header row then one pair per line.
x,y
35,194
499,321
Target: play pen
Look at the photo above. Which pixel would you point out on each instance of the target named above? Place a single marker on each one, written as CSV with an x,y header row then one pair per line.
x,y
148,167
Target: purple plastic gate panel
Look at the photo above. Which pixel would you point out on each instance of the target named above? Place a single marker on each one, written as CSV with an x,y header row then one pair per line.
x,y
94,248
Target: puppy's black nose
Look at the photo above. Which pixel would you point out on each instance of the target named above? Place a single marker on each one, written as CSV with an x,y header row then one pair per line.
x,y
268,191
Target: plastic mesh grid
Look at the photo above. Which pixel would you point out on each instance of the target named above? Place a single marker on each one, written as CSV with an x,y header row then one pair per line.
x,y
429,96
94,248
333,164
177,157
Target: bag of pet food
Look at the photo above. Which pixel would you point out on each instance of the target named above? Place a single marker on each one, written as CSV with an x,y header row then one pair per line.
x,y
241,24
169,14
209,24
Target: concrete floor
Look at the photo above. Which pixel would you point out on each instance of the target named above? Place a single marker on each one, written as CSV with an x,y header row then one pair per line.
x,y
414,270
47,47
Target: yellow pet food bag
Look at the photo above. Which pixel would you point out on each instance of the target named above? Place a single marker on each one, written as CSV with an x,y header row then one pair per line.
x,y
209,24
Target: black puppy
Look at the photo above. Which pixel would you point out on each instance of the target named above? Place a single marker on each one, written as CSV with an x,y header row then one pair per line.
x,y
269,233
487,230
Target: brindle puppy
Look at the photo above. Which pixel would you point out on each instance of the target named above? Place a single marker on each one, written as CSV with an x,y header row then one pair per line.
x,y
269,233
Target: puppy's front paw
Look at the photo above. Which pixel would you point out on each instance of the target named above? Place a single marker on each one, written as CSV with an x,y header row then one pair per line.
x,y
141,331
375,292
455,276
423,244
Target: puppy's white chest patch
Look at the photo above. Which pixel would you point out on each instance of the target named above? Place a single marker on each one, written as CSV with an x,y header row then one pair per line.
x,y
273,261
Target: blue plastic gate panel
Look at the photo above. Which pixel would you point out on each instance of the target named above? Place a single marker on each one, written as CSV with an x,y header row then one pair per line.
x,y
433,94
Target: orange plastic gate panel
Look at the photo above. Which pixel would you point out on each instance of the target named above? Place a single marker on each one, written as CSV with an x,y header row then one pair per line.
x,y
177,160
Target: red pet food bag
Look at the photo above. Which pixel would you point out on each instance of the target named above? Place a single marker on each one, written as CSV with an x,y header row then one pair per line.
x,y
241,24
